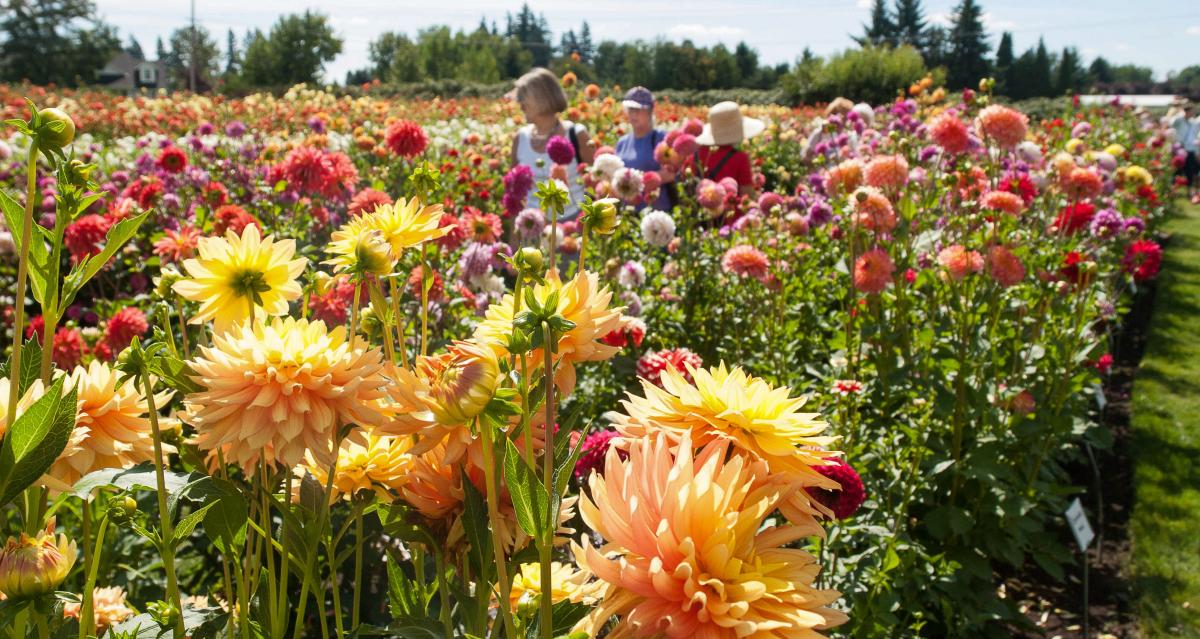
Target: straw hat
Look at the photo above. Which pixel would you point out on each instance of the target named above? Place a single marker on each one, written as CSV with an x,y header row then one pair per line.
x,y
727,125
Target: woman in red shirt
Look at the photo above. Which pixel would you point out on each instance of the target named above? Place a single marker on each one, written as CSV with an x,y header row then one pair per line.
x,y
719,155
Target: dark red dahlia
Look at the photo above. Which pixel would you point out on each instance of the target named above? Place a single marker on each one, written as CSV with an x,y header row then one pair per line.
x,y
1142,259
123,326
406,138
845,502
172,159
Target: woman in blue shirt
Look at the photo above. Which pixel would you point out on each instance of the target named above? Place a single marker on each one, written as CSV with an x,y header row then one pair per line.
x,y
636,148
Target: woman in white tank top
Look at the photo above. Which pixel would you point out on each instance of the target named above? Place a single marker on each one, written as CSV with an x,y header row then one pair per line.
x,y
542,99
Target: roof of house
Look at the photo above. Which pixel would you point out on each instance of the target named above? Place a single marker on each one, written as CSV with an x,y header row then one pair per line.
x,y
121,71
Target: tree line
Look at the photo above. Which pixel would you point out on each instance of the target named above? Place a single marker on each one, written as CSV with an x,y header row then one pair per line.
x,y
61,42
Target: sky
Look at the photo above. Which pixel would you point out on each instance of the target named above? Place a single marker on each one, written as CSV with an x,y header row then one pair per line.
x,y
1161,34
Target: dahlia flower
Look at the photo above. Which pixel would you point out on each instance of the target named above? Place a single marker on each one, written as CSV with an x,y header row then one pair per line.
x,y
176,246
379,464
115,415
123,326
580,300
406,138
886,172
108,608
950,133
566,584
232,217
761,421
33,566
278,390
650,366
1004,266
960,262
744,260
1005,125
658,228
560,150
366,201
844,177
233,274
461,381
693,558
1142,259
1003,201
408,223
873,271
873,210
851,493
359,249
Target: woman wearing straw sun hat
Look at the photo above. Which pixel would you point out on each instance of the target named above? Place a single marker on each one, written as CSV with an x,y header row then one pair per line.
x,y
719,156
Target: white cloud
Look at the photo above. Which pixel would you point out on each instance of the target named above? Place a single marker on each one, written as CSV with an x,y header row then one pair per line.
x,y
1194,30
863,4
993,24
705,32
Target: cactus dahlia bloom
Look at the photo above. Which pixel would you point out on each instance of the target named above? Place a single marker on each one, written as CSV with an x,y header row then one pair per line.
x,y
886,172
407,223
278,390
1007,126
760,420
566,584
234,273
693,559
108,608
117,431
461,382
380,465
581,300
360,249
33,566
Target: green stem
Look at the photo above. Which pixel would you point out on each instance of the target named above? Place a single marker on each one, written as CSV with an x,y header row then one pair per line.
x,y
547,602
14,387
401,332
285,563
272,595
358,567
439,558
164,513
493,501
424,301
87,618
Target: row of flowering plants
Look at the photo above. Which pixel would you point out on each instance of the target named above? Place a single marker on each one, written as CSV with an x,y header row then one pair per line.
x,y
333,377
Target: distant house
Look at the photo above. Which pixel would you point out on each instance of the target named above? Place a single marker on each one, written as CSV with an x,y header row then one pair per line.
x,y
127,73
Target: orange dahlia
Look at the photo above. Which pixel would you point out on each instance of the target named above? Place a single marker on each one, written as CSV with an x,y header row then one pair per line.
x,y
693,557
1005,125
380,464
281,389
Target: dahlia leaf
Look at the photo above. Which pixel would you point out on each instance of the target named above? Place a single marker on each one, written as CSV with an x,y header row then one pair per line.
x,y
39,257
82,273
225,516
475,527
31,359
36,439
530,499
186,525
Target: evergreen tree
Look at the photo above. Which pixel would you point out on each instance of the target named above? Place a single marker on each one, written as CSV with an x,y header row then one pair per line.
x,y
747,63
910,23
1099,71
1004,64
60,41
1069,76
134,48
193,50
882,30
586,50
936,51
231,53
968,47
569,43
1040,78
160,50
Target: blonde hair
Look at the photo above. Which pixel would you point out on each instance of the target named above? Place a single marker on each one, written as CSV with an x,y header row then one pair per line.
x,y
540,90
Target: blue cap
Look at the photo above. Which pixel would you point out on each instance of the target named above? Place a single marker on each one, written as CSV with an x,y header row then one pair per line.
x,y
639,98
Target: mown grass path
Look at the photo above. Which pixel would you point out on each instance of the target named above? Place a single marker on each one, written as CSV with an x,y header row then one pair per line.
x,y
1165,526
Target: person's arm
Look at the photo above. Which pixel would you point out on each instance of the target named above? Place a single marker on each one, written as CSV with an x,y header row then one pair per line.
x,y
587,150
512,155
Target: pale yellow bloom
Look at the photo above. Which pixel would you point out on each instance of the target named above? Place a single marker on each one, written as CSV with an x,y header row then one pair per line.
x,y
567,583
281,389
232,273
359,248
108,608
380,464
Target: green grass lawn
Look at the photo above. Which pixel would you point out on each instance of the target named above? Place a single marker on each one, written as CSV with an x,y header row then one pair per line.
x,y
1165,525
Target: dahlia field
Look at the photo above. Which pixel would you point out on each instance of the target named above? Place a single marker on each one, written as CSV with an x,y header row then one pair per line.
x,y
312,366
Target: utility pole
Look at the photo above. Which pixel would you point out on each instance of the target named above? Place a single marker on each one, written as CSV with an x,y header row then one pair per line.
x,y
192,56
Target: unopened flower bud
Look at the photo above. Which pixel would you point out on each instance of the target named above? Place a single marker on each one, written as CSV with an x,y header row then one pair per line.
x,y
603,218
34,566
530,259
47,136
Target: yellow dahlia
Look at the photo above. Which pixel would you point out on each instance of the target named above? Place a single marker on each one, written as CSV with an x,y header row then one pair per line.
x,y
567,583
360,249
407,223
234,272
108,608
581,300
760,420
117,420
380,464
687,554
32,566
281,389
434,487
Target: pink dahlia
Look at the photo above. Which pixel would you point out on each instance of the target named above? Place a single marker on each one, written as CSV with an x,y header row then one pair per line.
x,y
595,447
873,271
123,326
1005,125
873,211
1002,201
366,200
1004,266
745,261
886,172
1142,259
85,236
960,262
950,133
650,366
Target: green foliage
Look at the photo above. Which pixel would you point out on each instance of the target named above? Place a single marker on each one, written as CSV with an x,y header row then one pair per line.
x,y
54,41
872,74
295,51
968,47
35,440
193,50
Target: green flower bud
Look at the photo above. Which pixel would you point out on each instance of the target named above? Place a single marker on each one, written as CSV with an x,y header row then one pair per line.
x,y
530,259
603,217
527,605
47,136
